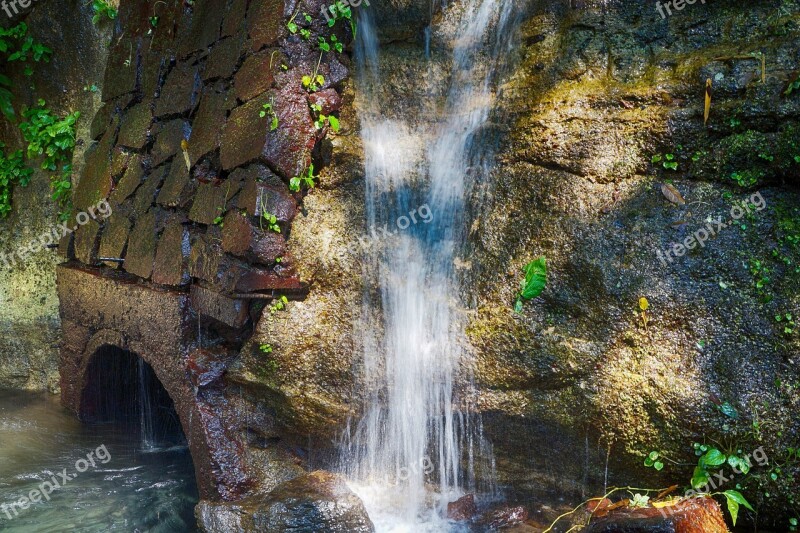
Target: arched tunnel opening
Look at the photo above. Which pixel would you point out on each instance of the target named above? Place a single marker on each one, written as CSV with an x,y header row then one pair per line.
x,y
123,389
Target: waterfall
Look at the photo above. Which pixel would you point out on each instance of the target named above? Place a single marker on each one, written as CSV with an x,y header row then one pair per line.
x,y
417,432
147,416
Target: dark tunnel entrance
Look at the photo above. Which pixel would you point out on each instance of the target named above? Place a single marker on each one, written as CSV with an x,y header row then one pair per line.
x,y
122,389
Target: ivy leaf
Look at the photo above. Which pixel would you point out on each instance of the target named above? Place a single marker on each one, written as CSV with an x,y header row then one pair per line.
x,y
292,27
713,457
728,410
700,477
334,122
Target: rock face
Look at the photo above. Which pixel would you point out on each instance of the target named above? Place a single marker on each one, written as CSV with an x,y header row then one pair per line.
x,y
318,501
29,323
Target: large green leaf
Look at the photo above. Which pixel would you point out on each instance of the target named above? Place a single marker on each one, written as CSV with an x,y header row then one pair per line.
x,y
713,457
734,499
535,278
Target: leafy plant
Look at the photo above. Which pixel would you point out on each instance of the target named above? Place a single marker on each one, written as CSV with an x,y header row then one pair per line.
x,y
307,178
279,305
787,320
653,460
341,11
326,46
322,119
12,172
265,348
272,222
667,161
53,138
534,283
102,8
313,83
18,47
640,501
267,110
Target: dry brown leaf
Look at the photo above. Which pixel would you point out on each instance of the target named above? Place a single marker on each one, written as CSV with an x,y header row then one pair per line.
x,y
672,194
708,101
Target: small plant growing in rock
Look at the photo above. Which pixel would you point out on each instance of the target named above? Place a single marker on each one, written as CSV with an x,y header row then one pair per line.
x,y
640,501
102,8
322,119
313,83
12,172
279,305
653,460
272,222
326,46
787,320
534,282
307,179
265,348
644,305
267,110
666,160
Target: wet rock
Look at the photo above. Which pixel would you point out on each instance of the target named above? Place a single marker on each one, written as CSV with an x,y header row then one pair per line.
x,y
208,124
114,238
319,501
242,238
142,247
224,58
230,311
119,163
86,242
96,183
168,140
234,18
694,515
130,181
462,509
262,198
178,189
257,280
146,193
211,201
328,99
179,95
172,257
265,23
206,367
155,68
121,68
288,148
503,517
257,73
135,126
244,135
205,26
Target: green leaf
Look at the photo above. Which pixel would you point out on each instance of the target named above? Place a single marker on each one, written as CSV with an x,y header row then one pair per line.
x,y
728,410
292,27
334,122
535,278
713,457
648,462
518,305
658,465
735,499
700,477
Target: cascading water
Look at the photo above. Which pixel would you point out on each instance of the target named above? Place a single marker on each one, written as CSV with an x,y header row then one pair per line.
x,y
417,432
146,414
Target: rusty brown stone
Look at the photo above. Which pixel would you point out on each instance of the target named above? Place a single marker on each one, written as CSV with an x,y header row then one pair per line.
x,y
206,366
180,92
146,193
203,31
242,238
462,509
207,125
260,198
265,23
172,257
328,99
234,18
204,258
142,246
114,238
287,149
689,515
209,203
258,280
135,126
257,74
230,311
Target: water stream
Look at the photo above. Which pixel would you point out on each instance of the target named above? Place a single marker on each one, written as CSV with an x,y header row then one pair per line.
x,y
132,486
418,446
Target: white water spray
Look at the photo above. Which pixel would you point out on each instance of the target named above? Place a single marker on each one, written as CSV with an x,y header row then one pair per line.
x,y
414,449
